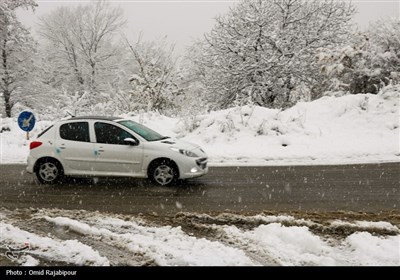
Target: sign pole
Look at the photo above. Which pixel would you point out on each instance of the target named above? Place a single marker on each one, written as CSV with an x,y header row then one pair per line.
x,y
27,135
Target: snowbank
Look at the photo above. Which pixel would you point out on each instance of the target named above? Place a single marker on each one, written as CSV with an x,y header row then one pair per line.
x,y
70,251
93,238
166,245
352,128
347,129
299,246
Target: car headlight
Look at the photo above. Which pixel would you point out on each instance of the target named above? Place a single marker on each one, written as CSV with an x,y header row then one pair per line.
x,y
184,152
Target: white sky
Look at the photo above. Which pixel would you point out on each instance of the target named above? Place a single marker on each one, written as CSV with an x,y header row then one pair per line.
x,y
182,21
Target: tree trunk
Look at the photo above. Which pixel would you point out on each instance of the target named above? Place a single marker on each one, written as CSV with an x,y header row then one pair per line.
x,y
74,63
5,81
7,104
92,84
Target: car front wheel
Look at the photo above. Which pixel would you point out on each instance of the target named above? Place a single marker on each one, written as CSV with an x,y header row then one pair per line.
x,y
163,173
49,172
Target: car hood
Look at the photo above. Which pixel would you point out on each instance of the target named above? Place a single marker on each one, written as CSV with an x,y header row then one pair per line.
x,y
180,144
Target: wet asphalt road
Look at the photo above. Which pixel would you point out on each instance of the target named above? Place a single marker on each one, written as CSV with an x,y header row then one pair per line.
x,y
365,188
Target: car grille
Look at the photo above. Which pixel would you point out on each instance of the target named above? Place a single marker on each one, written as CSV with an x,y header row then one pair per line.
x,y
202,163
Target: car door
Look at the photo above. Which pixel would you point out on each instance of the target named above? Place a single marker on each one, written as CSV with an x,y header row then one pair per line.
x,y
114,156
74,147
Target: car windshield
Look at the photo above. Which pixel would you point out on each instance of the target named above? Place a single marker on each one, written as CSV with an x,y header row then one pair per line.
x,y
145,132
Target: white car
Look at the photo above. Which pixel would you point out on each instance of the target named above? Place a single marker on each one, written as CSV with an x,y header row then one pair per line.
x,y
112,147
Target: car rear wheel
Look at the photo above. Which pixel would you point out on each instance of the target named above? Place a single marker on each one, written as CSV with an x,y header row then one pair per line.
x,y
49,172
163,173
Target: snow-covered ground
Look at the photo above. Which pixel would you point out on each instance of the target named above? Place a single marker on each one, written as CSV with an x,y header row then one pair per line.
x,y
92,238
347,129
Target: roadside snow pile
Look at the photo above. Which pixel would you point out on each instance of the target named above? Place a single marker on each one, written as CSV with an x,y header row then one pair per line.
x,y
348,129
69,251
331,129
365,225
92,238
165,245
299,246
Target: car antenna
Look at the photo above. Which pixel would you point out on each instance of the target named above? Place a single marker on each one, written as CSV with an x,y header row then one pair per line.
x,y
72,115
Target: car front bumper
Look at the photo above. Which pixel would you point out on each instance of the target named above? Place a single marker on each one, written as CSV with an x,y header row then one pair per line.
x,y
195,168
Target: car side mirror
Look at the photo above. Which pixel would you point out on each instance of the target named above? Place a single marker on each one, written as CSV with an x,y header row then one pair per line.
x,y
131,141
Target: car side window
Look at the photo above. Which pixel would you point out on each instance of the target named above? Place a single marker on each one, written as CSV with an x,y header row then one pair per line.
x,y
76,131
111,134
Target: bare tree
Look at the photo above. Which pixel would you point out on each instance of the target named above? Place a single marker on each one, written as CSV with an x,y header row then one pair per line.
x,y
154,79
263,52
56,29
95,27
83,36
16,45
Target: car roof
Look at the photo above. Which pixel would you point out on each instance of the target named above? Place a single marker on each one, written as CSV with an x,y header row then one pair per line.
x,y
103,118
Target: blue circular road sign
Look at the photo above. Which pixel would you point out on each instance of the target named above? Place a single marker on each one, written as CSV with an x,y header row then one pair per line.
x,y
26,121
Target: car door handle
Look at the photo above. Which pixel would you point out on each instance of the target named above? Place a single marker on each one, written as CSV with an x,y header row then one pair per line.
x,y
63,148
101,150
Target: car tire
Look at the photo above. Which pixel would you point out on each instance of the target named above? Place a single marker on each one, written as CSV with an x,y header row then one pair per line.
x,y
163,173
49,171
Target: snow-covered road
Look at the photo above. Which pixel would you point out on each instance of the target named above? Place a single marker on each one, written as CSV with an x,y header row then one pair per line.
x,y
91,238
